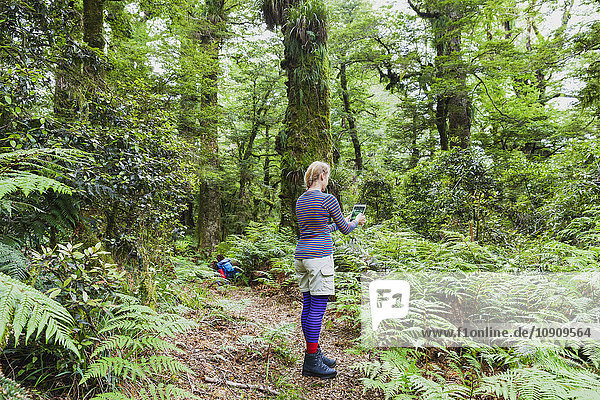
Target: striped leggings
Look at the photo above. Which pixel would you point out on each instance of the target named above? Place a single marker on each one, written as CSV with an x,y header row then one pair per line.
x,y
313,309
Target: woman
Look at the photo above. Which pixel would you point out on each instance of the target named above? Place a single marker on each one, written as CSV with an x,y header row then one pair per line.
x,y
314,261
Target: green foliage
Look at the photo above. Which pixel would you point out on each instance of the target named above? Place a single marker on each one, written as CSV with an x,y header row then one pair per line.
x,y
13,263
377,195
10,390
80,280
132,333
554,375
154,392
397,374
449,190
307,24
272,339
26,310
34,170
259,250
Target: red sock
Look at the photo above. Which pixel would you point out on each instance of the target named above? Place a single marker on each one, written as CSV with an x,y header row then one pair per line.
x,y
311,348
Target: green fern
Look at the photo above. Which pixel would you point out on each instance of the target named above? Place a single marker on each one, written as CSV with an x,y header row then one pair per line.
x,y
27,182
33,170
12,262
398,376
26,309
153,392
555,375
112,396
10,390
117,366
144,319
135,331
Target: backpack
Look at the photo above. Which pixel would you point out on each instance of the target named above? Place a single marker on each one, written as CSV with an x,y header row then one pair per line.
x,y
227,267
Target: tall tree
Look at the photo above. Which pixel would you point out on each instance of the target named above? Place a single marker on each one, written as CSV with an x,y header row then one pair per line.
x,y
305,136
453,103
354,58
203,34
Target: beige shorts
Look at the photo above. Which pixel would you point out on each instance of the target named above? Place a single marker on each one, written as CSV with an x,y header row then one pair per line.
x,y
315,275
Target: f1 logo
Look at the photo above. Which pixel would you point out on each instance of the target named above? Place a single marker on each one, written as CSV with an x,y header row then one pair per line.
x,y
389,299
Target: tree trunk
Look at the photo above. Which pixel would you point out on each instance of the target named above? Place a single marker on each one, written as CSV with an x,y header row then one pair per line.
x,y
267,166
441,113
208,228
257,120
93,36
358,160
459,104
93,24
305,136
67,93
453,111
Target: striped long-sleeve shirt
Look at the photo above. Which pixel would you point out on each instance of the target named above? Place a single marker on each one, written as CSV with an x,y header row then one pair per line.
x,y
313,209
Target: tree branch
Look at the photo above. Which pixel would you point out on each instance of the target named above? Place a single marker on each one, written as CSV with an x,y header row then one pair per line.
x,y
262,388
423,14
492,100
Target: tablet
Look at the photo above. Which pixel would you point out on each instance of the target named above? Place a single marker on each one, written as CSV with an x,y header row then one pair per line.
x,y
358,209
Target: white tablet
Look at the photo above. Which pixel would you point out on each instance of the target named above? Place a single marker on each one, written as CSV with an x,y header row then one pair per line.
x,y
357,209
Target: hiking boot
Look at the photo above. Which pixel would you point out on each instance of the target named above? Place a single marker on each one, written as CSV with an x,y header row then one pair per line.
x,y
313,366
327,361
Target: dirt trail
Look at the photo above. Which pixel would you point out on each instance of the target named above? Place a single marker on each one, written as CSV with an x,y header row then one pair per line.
x,y
238,341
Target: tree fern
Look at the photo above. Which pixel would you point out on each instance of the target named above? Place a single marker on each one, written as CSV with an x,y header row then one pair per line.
x,y
26,309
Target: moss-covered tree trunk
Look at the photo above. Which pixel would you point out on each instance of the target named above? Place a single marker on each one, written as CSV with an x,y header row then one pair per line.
x,y
459,102
93,36
305,136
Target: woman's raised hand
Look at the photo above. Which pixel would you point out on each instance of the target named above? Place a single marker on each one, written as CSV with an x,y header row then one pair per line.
x,y
361,219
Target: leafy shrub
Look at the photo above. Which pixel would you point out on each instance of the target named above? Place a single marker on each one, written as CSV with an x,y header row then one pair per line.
x,y
377,195
80,280
450,190
84,284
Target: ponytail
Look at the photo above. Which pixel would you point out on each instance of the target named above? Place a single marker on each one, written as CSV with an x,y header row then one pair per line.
x,y
314,171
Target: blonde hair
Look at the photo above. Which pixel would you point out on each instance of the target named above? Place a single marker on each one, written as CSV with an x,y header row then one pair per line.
x,y
314,170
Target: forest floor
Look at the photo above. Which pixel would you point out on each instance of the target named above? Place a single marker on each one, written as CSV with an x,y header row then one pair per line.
x,y
252,337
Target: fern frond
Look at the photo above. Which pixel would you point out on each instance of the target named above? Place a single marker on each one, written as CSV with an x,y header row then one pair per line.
x,y
115,366
167,392
112,396
13,263
27,182
526,384
10,389
166,364
24,307
43,155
